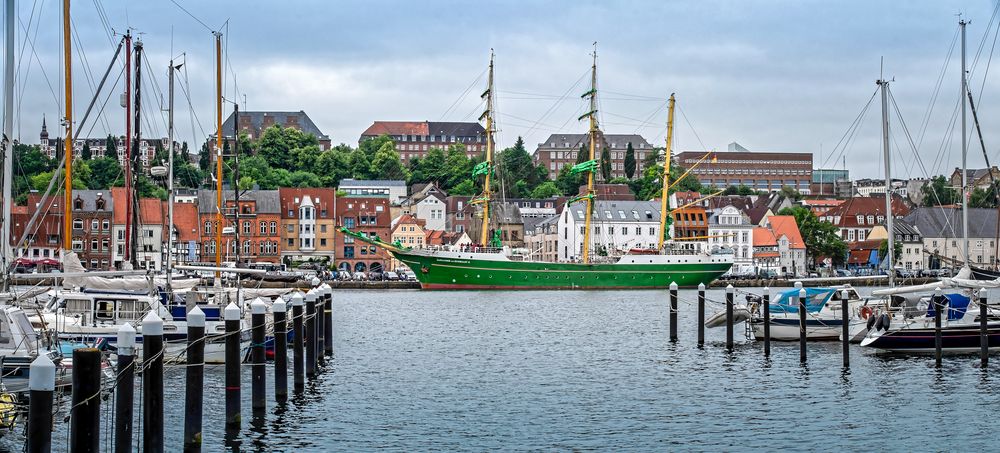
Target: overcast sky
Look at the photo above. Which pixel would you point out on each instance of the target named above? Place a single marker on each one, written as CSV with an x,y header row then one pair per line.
x,y
771,75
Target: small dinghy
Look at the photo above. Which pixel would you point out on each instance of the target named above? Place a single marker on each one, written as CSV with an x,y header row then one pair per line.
x,y
740,314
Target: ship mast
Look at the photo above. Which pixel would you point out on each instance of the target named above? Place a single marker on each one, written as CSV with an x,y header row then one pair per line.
x,y
8,147
68,140
592,114
965,154
890,246
218,154
664,196
488,115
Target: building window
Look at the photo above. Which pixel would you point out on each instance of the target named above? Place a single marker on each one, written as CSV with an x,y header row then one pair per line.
x,y
322,242
246,227
274,227
263,228
349,251
77,224
105,225
291,242
208,229
93,225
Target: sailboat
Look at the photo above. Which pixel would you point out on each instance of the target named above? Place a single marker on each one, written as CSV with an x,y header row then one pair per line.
x,y
492,266
908,323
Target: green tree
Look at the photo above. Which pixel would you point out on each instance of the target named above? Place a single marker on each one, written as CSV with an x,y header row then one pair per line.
x,y
360,165
29,160
302,178
545,190
982,198
790,192
187,175
939,192
741,189
386,164
568,183
884,247
466,187
85,152
205,159
372,145
606,164
822,238
516,167
457,167
430,168
334,165
630,161
111,146
583,154
105,172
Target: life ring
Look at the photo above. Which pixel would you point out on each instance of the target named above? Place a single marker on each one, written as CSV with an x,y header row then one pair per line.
x,y
865,312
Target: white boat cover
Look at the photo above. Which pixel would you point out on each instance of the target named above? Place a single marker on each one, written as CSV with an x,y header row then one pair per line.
x,y
71,264
960,280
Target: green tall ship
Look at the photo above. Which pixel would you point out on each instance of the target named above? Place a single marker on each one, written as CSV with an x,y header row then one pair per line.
x,y
489,266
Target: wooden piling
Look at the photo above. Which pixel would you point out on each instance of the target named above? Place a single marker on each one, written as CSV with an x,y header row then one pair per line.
x,y
279,310
802,326
328,323
41,387
152,383
673,312
320,318
311,334
767,322
937,326
729,317
845,334
85,413
232,317
194,392
125,389
258,403
298,340
984,339
701,314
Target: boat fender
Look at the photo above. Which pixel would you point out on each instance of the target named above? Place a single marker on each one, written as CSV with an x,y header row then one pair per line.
x,y
871,322
883,322
865,312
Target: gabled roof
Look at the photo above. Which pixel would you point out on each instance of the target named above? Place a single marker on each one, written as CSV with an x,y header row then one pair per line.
x,y
762,237
89,199
938,222
424,128
305,124
865,206
784,225
268,201
407,219
186,221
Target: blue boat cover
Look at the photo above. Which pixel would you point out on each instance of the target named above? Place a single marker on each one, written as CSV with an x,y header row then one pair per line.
x,y
788,301
957,304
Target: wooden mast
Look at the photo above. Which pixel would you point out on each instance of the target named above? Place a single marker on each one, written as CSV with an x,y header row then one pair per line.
x,y
488,114
665,195
218,153
593,144
68,137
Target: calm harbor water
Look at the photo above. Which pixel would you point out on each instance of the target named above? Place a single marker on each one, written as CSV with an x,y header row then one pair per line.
x,y
589,370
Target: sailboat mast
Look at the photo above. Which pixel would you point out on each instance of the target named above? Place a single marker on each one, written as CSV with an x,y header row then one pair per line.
x,y
218,152
68,137
890,246
170,179
484,235
8,145
593,144
128,148
664,196
965,153
134,163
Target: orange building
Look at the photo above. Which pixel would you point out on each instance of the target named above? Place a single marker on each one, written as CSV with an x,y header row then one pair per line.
x,y
255,239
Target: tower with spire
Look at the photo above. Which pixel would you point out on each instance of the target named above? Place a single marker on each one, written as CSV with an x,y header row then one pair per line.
x,y
44,136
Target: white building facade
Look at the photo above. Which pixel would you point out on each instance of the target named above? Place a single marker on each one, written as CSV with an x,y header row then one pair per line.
x,y
616,227
731,228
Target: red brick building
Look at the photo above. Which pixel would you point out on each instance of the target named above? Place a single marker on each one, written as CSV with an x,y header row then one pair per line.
x,y
259,238
44,239
92,215
856,216
369,216
756,170
307,223
415,138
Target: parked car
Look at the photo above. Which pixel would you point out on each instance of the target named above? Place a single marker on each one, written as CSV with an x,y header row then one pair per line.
x,y
376,276
344,275
843,273
360,276
391,276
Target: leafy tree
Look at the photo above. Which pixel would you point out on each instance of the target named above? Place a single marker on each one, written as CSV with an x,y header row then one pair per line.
x,y
938,192
568,184
457,167
629,161
286,147
545,190
187,175
983,198
111,146
606,164
741,189
884,247
85,152
386,164
466,187
306,157
821,238
333,165
205,159
583,154
516,167
431,168
359,164
147,188
372,145
105,172
790,192
302,178
30,160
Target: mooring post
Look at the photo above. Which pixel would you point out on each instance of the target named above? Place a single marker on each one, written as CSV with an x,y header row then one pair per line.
x,y
729,317
41,386
85,413
194,393
311,333
701,315
802,325
125,389
767,322
232,316
328,323
320,318
298,337
937,326
673,311
845,316
152,383
258,309
279,310
984,339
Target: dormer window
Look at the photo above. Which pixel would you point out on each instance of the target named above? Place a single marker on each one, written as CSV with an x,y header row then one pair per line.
x,y
100,203
78,204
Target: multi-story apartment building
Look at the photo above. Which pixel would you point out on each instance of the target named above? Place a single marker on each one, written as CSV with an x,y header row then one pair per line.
x,y
43,238
256,238
415,138
254,123
149,233
940,229
731,228
791,247
187,244
856,216
369,216
395,190
428,204
756,170
542,241
307,223
146,151
560,150
617,227
92,216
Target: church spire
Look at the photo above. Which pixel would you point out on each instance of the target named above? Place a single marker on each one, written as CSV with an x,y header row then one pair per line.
x,y
44,136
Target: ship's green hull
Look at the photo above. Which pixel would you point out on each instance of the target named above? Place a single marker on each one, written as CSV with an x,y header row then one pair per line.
x,y
452,273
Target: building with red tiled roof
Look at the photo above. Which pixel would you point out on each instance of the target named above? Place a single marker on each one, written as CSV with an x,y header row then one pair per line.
x,y
791,247
187,247
856,216
370,216
415,138
307,223
765,249
44,239
820,206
